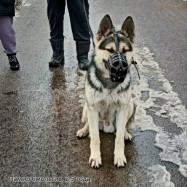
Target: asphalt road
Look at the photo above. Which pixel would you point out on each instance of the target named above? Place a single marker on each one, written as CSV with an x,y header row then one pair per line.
x,y
40,111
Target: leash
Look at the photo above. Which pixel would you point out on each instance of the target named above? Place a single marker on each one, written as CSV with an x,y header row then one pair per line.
x,y
135,65
88,23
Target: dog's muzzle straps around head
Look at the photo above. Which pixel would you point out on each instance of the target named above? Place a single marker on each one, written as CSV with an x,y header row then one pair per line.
x,y
117,63
118,67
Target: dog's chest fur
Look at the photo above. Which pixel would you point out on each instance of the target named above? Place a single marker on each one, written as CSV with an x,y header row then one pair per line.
x,y
107,97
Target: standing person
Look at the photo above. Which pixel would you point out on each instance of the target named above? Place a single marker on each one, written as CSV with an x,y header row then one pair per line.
x,y
78,11
7,34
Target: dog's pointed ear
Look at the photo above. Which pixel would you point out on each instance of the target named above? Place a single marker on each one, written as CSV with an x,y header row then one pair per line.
x,y
128,28
105,27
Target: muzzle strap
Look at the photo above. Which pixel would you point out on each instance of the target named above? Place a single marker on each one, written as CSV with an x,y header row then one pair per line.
x,y
117,62
116,39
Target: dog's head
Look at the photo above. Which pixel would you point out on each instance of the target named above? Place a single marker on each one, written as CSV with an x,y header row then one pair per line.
x,y
114,49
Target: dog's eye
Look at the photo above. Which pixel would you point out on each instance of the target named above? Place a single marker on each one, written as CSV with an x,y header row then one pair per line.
x,y
124,50
110,50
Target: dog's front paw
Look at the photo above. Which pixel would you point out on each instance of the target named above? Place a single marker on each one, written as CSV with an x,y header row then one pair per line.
x,y
95,162
120,161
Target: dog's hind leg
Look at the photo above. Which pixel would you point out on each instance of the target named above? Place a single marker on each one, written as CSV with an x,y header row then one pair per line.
x,y
127,135
84,113
83,132
132,111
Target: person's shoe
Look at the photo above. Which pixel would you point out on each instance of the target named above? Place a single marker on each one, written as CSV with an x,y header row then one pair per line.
x,y
56,61
58,53
82,48
13,61
83,63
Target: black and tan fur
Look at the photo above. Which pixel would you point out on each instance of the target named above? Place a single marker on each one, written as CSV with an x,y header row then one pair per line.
x,y
109,105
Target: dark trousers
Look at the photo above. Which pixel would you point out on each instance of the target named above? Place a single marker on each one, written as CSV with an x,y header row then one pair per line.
x,y
80,29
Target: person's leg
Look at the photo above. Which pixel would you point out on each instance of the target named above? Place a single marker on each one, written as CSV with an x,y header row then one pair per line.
x,y
55,13
8,40
7,35
78,11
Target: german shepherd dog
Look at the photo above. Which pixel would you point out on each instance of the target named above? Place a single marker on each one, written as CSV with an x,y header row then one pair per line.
x,y
109,105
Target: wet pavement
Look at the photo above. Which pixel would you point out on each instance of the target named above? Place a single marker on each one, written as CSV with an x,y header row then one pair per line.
x,y
40,111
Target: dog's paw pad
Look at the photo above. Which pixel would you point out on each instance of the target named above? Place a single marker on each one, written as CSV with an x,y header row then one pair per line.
x,y
120,161
81,133
95,162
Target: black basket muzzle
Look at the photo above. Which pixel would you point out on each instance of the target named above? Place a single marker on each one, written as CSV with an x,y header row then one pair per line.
x,y
117,63
117,66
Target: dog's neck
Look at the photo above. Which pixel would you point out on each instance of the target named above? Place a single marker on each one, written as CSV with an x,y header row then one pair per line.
x,y
106,81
